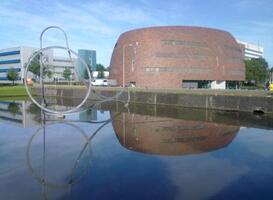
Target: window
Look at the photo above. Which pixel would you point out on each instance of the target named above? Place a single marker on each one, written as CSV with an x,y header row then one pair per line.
x,y
184,43
194,56
190,69
132,84
232,84
7,69
232,48
189,84
10,61
196,84
9,53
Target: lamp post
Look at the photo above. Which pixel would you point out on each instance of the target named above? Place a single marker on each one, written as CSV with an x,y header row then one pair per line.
x,y
123,60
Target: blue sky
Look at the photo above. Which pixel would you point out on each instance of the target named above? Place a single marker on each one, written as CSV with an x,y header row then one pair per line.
x,y
97,24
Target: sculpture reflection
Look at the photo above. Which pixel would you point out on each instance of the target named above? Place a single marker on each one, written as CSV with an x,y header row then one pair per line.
x,y
44,132
167,136
59,154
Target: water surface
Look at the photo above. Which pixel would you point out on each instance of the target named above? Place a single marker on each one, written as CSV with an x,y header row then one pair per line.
x,y
140,152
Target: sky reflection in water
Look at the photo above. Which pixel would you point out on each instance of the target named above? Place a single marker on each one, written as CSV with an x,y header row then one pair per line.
x,y
134,155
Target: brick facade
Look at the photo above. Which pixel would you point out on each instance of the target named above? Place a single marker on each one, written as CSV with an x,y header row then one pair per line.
x,y
161,57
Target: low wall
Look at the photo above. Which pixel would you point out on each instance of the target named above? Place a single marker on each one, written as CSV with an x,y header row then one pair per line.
x,y
248,101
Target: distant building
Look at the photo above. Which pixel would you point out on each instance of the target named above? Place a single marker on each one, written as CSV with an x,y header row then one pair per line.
x,y
60,64
89,56
15,58
18,57
251,50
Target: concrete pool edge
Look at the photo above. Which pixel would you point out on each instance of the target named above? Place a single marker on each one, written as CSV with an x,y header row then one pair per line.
x,y
247,101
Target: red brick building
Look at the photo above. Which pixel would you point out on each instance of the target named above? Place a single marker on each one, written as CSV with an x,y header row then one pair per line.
x,y
177,56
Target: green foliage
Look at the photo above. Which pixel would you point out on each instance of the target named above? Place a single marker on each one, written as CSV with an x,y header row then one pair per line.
x,y
34,66
85,75
35,69
100,67
12,75
252,87
49,74
257,70
67,74
36,111
13,108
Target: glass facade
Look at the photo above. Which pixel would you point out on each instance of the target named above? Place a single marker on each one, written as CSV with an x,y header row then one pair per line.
x,y
232,85
89,56
10,59
207,84
196,84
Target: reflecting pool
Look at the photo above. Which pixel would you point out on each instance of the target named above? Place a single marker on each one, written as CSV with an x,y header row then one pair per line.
x,y
114,151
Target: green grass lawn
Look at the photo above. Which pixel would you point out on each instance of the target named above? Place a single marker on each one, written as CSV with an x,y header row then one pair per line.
x,y
12,91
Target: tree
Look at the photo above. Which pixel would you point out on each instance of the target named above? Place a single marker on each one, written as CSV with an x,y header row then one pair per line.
x,y
100,69
35,66
271,74
85,75
257,70
35,111
49,74
35,69
13,108
12,75
67,73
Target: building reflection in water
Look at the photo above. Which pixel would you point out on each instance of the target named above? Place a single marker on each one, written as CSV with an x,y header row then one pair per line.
x,y
59,153
167,136
17,113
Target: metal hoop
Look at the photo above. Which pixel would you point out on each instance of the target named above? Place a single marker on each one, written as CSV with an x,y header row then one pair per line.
x,y
53,27
49,110
87,84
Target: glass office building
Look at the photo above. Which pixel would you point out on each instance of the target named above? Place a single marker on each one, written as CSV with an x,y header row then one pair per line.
x,y
14,58
89,56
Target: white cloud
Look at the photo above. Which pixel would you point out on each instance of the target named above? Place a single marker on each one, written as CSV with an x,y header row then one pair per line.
x,y
99,23
87,23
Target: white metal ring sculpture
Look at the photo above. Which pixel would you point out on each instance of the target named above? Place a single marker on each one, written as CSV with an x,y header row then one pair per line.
x,y
40,52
